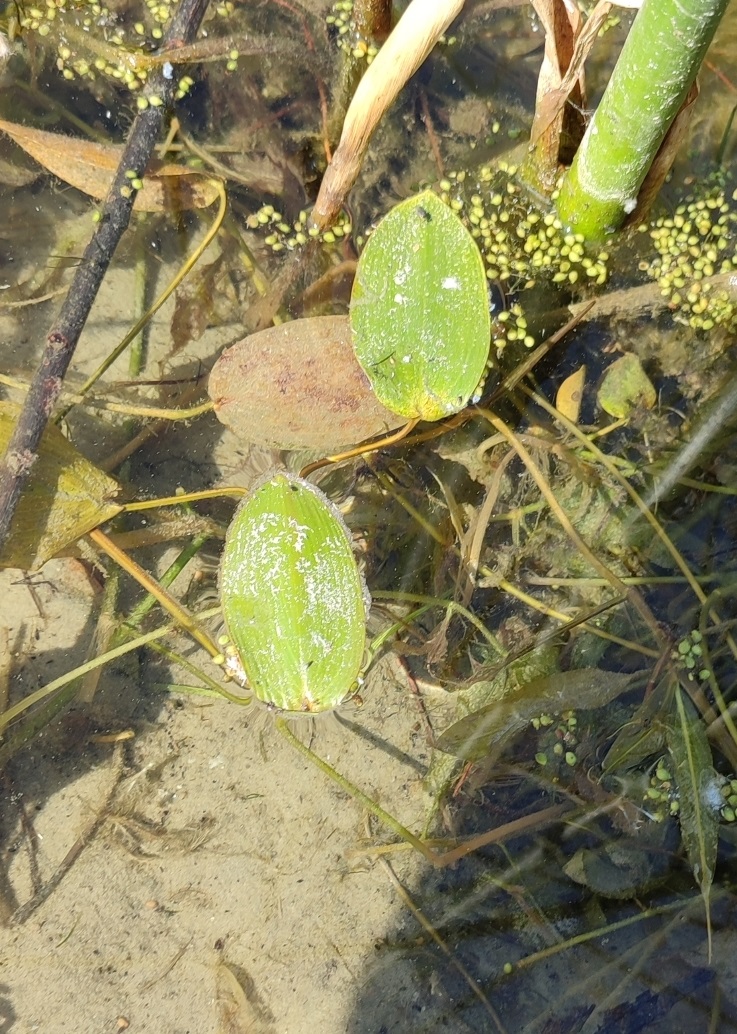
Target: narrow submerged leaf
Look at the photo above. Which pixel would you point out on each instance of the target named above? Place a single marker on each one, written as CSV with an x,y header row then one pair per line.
x,y
420,310
293,599
90,167
475,736
699,794
643,736
65,497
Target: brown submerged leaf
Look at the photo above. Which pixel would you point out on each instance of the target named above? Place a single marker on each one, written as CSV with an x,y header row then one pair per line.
x,y
298,386
90,167
66,496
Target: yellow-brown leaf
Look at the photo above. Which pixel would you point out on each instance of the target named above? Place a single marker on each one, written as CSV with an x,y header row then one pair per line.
x,y
90,167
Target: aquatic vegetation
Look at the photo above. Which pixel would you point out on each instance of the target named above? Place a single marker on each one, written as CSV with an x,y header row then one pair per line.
x,y
694,245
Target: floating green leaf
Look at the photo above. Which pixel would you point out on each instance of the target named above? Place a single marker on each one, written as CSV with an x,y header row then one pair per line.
x,y
293,599
66,496
698,791
420,310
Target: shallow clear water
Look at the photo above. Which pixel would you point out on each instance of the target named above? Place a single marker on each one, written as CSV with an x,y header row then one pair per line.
x,y
219,882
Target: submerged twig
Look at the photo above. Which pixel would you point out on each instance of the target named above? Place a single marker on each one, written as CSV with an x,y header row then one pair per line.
x,y
26,911
62,339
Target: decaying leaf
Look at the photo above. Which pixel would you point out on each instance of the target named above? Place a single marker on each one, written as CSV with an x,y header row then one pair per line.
x,y
66,496
698,793
298,386
90,167
239,1012
624,386
489,728
558,127
622,868
570,394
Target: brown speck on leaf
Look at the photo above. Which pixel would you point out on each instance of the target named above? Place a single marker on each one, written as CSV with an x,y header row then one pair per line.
x,y
20,462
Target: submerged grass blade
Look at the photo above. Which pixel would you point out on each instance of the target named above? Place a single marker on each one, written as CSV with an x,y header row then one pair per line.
x,y
695,776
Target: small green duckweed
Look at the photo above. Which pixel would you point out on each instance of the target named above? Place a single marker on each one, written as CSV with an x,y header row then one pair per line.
x,y
285,236
557,742
94,42
521,244
690,654
340,20
660,799
346,35
729,794
695,243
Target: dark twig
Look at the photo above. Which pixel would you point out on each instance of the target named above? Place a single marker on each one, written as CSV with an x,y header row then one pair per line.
x,y
22,451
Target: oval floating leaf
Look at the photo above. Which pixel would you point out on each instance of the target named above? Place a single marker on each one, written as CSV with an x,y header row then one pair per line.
x,y
66,496
293,599
298,386
420,310
90,167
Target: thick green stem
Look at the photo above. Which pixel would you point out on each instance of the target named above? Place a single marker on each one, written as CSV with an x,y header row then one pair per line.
x,y
658,64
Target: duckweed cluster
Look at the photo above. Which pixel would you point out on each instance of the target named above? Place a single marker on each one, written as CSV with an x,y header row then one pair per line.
x,y
729,796
693,245
661,796
347,36
559,742
690,654
287,236
93,43
520,243
349,40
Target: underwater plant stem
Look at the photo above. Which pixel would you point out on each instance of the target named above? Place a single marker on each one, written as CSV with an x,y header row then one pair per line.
x,y
170,288
449,605
61,342
373,18
26,910
177,611
409,43
433,933
361,450
358,795
172,572
619,587
187,497
655,71
136,359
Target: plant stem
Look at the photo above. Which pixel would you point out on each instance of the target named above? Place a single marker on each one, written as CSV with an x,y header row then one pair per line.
x,y
373,18
658,64
61,342
352,790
